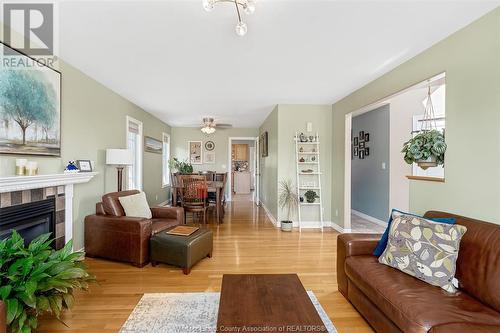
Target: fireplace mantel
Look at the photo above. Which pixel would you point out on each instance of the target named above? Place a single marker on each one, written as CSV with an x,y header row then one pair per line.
x,y
23,183
20,183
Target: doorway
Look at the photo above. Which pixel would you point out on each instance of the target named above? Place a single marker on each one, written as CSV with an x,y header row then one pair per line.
x,y
405,109
243,176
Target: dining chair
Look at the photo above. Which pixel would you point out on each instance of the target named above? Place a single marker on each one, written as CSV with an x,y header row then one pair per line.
x,y
222,177
209,175
194,191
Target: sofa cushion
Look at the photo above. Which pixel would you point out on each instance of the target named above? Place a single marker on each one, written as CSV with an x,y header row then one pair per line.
x,y
424,249
413,305
136,205
111,203
478,264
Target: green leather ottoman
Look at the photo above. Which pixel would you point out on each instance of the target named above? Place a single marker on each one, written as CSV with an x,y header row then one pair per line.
x,y
182,251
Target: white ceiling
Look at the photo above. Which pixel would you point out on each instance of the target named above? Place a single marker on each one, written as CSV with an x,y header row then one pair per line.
x,y
181,63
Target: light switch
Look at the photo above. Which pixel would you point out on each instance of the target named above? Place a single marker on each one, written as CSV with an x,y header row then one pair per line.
x,y
383,165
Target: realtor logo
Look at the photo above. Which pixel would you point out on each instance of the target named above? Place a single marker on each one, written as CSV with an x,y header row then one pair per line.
x,y
29,28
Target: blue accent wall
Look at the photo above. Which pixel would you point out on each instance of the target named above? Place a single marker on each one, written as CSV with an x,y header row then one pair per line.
x,y
369,181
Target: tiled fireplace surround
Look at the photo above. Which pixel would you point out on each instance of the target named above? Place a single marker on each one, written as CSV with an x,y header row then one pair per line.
x,y
17,190
10,199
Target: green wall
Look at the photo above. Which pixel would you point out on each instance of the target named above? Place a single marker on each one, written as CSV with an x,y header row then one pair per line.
x,y
471,60
93,119
269,165
292,119
181,135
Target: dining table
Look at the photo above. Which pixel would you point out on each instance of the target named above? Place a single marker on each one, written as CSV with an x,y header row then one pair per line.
x,y
213,186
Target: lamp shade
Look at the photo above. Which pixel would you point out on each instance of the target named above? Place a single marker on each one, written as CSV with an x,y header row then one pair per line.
x,y
119,157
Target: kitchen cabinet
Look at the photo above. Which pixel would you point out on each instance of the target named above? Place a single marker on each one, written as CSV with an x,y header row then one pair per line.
x,y
240,152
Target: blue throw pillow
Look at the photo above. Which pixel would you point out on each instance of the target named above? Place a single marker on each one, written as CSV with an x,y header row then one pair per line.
x,y
382,243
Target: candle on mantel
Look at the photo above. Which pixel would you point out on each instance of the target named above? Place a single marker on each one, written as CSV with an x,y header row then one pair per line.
x,y
31,168
21,166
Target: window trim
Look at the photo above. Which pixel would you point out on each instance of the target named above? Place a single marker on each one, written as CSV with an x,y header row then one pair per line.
x,y
165,168
140,158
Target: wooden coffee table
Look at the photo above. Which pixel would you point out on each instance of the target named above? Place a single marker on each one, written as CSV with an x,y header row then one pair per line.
x,y
266,303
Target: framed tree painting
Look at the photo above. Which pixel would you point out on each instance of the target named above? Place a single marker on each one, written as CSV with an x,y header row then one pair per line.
x,y
195,152
30,109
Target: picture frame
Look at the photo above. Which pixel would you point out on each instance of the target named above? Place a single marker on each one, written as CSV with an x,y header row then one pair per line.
x,y
209,157
195,150
356,141
40,134
361,135
209,145
84,165
263,143
361,145
152,145
356,151
367,151
367,137
361,154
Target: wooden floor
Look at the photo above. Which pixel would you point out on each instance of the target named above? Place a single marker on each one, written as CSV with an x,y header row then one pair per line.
x,y
247,242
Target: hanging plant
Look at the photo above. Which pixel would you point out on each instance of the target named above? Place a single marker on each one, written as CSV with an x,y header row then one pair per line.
x,y
427,149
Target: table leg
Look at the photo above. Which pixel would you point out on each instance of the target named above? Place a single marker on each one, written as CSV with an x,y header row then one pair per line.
x,y
218,203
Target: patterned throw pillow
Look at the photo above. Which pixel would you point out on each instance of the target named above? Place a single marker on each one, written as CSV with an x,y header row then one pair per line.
x,y
424,249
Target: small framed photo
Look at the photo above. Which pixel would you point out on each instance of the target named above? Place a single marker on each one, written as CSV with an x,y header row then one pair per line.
x,y
361,145
84,165
367,151
367,137
361,135
355,141
361,154
356,151
209,157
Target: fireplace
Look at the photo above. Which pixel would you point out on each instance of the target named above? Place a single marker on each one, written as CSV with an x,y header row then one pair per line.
x,y
30,220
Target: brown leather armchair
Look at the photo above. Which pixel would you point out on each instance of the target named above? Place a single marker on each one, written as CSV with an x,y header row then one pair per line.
x,y
3,319
112,235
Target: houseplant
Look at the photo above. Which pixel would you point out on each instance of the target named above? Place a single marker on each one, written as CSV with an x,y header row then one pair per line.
x,y
37,279
427,149
288,201
311,196
181,166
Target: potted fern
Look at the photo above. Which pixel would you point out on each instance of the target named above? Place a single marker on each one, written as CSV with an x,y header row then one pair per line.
x,y
182,167
427,149
288,201
36,279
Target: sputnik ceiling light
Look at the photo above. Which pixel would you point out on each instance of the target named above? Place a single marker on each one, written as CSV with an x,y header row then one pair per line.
x,y
248,7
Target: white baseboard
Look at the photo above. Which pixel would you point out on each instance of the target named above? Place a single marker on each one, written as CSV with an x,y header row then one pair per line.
x,y
369,218
269,215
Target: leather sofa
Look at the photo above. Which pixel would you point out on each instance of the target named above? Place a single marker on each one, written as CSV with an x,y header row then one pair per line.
x,y
112,235
392,301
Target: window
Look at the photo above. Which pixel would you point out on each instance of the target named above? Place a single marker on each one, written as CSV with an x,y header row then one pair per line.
x,y
165,159
134,143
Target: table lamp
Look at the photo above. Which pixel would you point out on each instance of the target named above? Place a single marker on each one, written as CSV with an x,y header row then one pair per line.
x,y
121,158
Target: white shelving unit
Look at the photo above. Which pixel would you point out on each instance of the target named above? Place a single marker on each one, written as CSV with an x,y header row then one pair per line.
x,y
309,151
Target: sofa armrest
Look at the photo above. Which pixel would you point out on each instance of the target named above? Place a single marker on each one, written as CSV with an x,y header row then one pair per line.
x,y
174,213
118,238
3,318
349,245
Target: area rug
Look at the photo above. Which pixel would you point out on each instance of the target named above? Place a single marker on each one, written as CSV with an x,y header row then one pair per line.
x,y
187,313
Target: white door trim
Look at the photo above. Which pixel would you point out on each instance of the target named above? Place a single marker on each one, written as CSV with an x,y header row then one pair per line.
x,y
229,161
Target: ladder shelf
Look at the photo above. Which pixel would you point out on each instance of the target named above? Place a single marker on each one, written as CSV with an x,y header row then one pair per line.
x,y
307,159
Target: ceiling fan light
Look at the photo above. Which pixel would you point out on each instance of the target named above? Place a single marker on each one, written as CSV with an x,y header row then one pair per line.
x,y
241,29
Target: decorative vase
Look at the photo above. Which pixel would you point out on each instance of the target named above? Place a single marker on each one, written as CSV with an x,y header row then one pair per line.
x,y
286,226
428,163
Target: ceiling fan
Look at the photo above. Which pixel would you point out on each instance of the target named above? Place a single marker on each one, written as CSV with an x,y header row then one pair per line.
x,y
209,125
